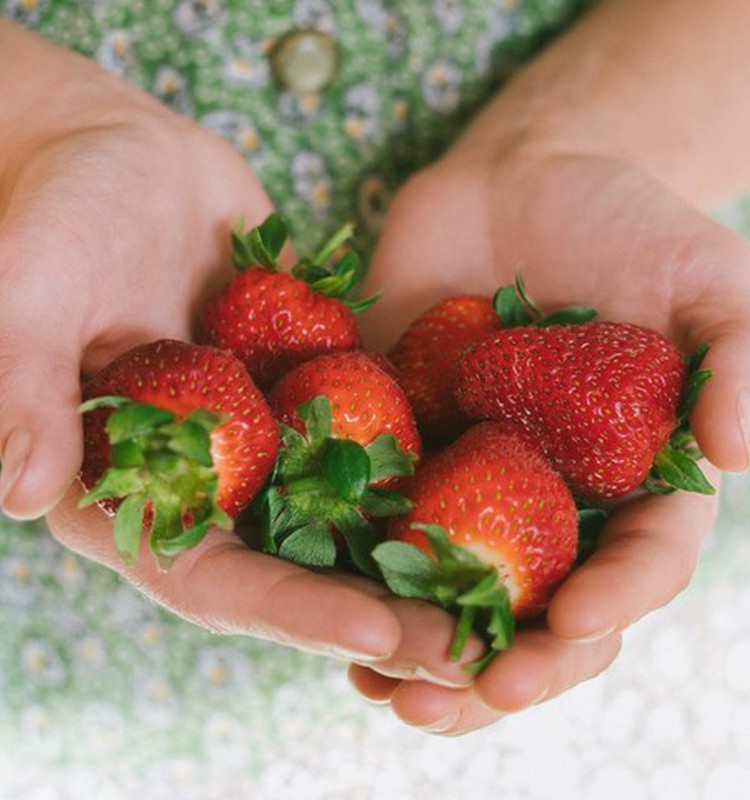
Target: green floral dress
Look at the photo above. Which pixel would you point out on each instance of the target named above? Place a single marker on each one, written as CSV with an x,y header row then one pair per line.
x,y
102,693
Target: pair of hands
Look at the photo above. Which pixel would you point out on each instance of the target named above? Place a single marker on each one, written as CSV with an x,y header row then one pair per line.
x,y
113,227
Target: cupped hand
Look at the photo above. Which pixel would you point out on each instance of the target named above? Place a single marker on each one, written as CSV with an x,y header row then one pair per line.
x,y
114,221
590,230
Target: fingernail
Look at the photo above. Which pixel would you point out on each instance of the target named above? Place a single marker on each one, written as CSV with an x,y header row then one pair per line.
x,y
14,458
425,675
352,655
743,410
595,636
444,724
538,699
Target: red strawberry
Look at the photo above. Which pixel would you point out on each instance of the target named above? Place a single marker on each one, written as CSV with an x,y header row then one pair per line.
x,y
347,433
273,320
601,399
366,401
190,442
426,356
499,525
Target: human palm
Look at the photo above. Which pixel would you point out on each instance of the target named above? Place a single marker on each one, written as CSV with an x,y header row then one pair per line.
x,y
598,232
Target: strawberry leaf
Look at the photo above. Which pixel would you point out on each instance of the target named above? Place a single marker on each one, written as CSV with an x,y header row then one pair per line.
x,y
331,245
680,471
515,308
312,545
407,570
387,459
591,524
128,527
317,419
379,502
346,467
272,234
131,420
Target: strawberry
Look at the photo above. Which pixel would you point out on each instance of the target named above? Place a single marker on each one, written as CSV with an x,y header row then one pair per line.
x,y
426,355
607,402
176,437
492,532
365,398
273,320
347,434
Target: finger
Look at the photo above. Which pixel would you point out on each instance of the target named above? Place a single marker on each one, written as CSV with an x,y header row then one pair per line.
x,y
424,649
372,685
40,428
537,668
224,586
721,418
647,555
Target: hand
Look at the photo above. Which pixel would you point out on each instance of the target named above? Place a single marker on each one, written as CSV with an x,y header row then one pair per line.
x,y
599,232
114,215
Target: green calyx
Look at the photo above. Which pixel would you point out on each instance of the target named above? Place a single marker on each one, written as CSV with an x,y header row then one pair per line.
x,y
161,464
455,579
515,308
675,465
262,245
323,486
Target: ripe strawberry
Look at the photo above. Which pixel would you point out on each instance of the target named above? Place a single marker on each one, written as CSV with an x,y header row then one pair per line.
x,y
347,434
426,355
177,436
273,320
499,529
606,402
366,401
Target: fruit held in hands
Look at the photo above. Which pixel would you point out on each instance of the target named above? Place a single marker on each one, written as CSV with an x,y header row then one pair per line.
x,y
491,534
601,399
426,355
177,438
347,434
272,319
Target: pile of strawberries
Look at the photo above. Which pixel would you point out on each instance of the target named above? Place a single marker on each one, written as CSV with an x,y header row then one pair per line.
x,y
457,469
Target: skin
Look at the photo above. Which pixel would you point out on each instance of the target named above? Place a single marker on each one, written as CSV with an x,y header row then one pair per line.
x,y
585,173
592,171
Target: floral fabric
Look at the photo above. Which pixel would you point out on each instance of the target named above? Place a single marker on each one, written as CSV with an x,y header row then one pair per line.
x,y
98,687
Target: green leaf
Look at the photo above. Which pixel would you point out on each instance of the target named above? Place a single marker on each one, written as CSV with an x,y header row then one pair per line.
x,y
695,383
192,440
128,527
342,235
136,419
316,416
104,401
591,524
126,455
407,570
680,471
114,483
509,307
346,467
242,256
694,360
295,455
380,502
312,545
387,459
273,233
360,306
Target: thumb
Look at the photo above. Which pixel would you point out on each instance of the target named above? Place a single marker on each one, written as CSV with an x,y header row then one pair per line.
x,y
40,427
721,418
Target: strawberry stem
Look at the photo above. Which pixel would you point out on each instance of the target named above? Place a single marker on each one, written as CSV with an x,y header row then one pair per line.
x,y
515,308
163,465
325,485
